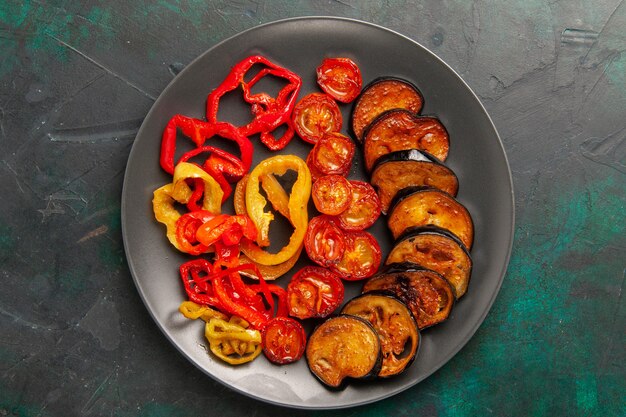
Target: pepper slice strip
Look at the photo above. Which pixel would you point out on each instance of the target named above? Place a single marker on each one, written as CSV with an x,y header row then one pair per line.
x,y
269,113
199,287
179,191
187,227
196,311
298,215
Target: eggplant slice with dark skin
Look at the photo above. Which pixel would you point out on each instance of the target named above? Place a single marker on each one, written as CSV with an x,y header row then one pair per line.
x,y
437,249
422,206
380,95
397,130
396,327
407,168
341,348
428,295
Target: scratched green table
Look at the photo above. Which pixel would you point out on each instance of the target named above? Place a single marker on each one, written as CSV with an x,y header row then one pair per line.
x,y
77,79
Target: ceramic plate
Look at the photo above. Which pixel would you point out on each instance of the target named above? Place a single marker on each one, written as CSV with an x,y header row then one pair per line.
x,y
476,156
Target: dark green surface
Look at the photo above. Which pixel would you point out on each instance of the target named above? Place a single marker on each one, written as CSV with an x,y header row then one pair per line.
x,y
76,80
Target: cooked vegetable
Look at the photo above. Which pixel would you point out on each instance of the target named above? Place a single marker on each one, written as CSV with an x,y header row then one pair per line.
x,y
331,155
331,194
437,249
427,294
398,130
269,112
316,114
324,240
186,228
396,327
364,209
232,341
298,215
196,311
421,206
340,78
279,200
221,165
361,256
381,95
401,169
314,292
283,340
178,191
344,347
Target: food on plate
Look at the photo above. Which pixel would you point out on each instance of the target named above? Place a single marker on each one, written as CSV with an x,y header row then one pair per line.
x,y
269,112
233,341
283,340
398,130
436,249
421,206
316,114
361,256
223,166
297,204
401,169
364,209
340,78
331,194
178,191
344,347
324,241
381,95
428,295
314,292
331,155
395,325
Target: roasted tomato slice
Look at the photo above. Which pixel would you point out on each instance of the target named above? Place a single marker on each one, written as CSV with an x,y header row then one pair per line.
x,y
314,292
316,114
324,241
361,257
331,194
340,78
332,154
364,209
284,340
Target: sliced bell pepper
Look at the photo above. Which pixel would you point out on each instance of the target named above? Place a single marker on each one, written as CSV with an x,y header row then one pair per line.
x,y
297,205
269,112
179,191
232,342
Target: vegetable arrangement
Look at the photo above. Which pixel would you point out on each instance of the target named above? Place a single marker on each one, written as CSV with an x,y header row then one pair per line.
x,y
232,261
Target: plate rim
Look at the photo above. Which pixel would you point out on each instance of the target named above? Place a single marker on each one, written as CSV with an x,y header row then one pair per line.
x,y
488,305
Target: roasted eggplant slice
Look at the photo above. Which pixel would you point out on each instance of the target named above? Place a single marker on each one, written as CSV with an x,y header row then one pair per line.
x,y
437,249
428,295
401,169
381,95
396,327
397,130
422,206
344,347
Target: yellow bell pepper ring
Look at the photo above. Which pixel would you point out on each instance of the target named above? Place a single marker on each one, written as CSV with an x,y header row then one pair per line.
x,y
179,191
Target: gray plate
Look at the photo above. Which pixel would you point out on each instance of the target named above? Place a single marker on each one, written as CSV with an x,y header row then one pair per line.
x,y
476,155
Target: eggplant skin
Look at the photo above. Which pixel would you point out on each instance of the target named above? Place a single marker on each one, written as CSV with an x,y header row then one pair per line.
x,y
422,206
436,249
409,168
429,296
399,129
382,94
341,348
396,327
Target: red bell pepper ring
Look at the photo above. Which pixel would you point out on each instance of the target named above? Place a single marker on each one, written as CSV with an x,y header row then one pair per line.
x,y
269,113
220,164
227,229
197,287
198,189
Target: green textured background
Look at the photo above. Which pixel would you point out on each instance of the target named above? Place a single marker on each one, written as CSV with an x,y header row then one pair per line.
x,y
76,80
